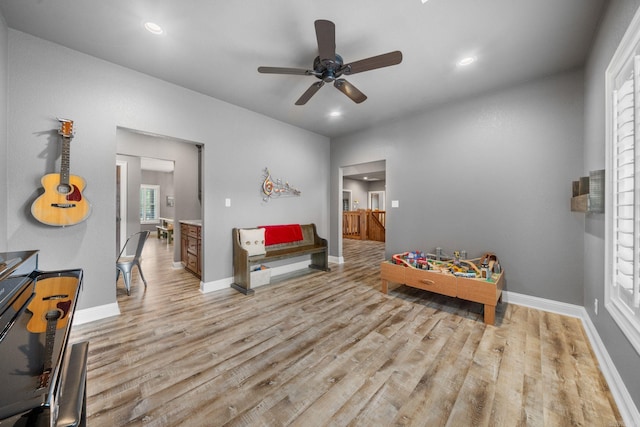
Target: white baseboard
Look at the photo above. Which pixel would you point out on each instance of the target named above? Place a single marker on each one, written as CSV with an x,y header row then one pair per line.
x,y
92,314
543,304
626,406
177,265
336,259
216,285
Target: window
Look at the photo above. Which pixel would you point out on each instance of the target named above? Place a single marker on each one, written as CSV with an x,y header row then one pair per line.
x,y
622,211
149,203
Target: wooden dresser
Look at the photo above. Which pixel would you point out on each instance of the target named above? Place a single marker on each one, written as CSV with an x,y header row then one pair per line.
x,y
191,246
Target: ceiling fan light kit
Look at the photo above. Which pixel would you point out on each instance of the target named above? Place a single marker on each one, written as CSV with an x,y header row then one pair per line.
x,y
329,67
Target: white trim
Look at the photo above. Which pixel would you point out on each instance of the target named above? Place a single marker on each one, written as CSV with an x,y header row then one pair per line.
x,y
381,199
551,306
336,259
626,406
625,52
92,314
124,177
216,285
344,190
625,322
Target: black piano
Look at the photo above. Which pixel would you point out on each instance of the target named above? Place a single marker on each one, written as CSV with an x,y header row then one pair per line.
x,y
42,377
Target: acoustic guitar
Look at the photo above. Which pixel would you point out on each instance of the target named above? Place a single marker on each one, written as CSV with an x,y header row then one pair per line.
x,y
62,202
50,307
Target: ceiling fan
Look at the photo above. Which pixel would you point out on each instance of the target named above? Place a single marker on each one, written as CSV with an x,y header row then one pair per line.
x,y
329,66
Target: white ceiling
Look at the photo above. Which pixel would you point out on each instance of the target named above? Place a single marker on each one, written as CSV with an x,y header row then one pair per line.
x,y
215,47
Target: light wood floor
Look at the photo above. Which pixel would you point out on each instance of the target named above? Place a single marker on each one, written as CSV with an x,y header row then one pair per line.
x,y
319,349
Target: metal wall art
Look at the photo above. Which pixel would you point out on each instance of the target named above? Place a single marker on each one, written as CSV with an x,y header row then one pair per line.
x,y
277,188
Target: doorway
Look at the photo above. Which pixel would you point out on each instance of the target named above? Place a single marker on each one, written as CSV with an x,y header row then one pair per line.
x,y
376,200
147,158
364,186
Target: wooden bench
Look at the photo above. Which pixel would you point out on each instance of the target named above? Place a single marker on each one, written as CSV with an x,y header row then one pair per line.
x,y
311,244
165,229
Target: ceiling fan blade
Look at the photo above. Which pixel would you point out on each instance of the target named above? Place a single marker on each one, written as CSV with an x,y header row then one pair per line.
x,y
284,70
350,90
309,93
379,61
326,36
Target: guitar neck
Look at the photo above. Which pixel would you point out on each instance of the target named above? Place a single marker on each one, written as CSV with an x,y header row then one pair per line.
x,y
50,339
65,160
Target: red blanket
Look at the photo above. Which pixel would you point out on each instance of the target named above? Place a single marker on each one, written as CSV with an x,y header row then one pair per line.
x,y
274,234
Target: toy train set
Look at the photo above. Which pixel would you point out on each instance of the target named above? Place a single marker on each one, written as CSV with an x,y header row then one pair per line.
x,y
479,280
482,267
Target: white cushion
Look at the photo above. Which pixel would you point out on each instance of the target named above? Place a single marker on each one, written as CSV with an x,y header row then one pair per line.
x,y
253,241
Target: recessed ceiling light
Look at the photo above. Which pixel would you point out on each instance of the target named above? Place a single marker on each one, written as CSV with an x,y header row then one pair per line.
x,y
467,61
335,114
424,1
153,28
365,177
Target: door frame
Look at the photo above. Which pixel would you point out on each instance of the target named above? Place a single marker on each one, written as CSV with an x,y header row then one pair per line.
x,y
381,200
123,203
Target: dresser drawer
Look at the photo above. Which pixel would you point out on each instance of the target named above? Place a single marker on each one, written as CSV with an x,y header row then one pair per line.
x,y
192,262
440,283
193,231
192,245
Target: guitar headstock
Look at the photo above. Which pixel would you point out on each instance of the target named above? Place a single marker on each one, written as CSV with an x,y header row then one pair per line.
x,y
66,128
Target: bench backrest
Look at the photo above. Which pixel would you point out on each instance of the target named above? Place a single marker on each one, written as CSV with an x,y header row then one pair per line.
x,y
309,237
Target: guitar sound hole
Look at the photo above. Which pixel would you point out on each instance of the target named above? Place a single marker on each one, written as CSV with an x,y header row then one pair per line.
x,y
64,189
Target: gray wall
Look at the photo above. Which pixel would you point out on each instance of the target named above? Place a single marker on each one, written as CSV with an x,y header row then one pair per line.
x,y
358,192
47,80
377,186
612,27
3,131
492,173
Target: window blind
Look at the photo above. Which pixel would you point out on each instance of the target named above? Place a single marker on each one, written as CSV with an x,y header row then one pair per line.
x,y
627,192
622,177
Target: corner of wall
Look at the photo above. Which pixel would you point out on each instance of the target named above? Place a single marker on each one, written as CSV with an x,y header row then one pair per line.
x,y
4,66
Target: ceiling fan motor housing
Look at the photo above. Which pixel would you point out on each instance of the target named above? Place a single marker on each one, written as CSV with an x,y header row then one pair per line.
x,y
328,69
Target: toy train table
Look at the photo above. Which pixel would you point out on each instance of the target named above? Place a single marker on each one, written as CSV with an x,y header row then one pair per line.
x,y
479,280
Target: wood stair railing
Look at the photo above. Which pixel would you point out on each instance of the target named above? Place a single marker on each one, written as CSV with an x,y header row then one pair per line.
x,y
364,225
375,226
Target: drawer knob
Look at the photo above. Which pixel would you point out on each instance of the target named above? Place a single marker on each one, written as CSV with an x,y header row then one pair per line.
x,y
428,282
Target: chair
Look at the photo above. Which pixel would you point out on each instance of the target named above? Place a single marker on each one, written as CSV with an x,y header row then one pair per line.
x,y
125,262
